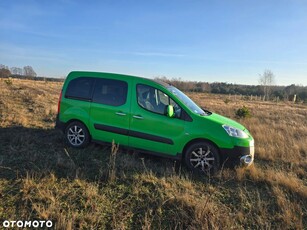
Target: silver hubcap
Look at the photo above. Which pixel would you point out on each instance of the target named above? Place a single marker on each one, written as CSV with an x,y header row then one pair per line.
x,y
202,159
76,135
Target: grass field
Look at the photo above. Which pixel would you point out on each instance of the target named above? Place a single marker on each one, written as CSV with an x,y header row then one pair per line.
x,y
100,187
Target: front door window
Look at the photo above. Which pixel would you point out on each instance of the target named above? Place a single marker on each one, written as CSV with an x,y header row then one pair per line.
x,y
155,100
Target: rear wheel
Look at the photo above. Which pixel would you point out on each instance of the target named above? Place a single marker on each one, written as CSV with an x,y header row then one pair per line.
x,y
77,135
203,157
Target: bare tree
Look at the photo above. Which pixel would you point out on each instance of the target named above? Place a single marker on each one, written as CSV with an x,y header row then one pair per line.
x,y
4,72
267,80
16,70
29,71
3,66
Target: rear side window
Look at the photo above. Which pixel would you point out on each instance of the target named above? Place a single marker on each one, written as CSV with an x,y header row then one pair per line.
x,y
80,88
110,92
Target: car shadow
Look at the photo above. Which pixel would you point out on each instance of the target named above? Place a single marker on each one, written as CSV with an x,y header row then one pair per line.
x,y
39,152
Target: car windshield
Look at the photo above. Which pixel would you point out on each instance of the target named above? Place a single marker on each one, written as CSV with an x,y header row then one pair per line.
x,y
186,100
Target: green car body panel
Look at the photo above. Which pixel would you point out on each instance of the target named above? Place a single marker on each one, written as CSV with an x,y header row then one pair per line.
x,y
130,124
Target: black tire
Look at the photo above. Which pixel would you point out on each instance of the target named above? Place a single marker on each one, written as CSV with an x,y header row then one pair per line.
x,y
77,135
202,157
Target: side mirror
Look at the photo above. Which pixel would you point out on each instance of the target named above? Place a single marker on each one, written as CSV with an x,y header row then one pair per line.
x,y
170,111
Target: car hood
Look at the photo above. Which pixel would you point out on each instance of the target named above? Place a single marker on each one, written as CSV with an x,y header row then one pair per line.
x,y
224,121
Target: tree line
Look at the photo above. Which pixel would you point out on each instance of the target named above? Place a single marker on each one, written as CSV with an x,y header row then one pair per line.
x,y
25,71
266,88
266,91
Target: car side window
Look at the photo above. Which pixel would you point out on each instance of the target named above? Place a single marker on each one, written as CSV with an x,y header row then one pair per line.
x,y
80,88
110,92
155,100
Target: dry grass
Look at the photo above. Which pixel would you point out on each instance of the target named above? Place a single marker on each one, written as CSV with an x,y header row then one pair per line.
x,y
97,188
28,103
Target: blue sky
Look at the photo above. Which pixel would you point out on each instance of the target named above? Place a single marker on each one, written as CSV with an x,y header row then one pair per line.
x,y
211,40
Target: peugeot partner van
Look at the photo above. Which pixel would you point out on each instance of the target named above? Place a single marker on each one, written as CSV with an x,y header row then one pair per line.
x,y
149,116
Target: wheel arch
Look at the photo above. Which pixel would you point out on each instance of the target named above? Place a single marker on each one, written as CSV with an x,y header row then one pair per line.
x,y
199,140
77,120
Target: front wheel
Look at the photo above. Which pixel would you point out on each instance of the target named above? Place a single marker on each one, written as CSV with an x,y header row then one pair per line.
x,y
77,135
203,157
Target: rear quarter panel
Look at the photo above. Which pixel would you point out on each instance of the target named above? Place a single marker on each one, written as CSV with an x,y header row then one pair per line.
x,y
75,110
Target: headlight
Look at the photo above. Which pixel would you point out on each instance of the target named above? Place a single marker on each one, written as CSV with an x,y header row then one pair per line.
x,y
235,132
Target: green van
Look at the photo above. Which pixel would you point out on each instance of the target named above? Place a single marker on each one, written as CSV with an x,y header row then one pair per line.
x,y
149,116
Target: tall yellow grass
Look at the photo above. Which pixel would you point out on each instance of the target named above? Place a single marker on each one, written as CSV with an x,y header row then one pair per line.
x,y
97,188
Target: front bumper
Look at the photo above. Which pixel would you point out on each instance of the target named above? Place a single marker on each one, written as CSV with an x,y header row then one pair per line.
x,y
243,156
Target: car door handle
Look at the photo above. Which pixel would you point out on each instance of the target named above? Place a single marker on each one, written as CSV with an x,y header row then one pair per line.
x,y
138,117
120,114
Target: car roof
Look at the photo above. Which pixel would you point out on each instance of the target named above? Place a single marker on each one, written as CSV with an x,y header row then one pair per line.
x,y
75,74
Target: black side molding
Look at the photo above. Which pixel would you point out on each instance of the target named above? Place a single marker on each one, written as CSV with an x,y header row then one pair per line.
x,y
150,137
132,133
112,129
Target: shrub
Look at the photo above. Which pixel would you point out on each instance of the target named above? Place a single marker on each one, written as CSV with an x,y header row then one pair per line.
x,y
226,101
243,112
8,81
